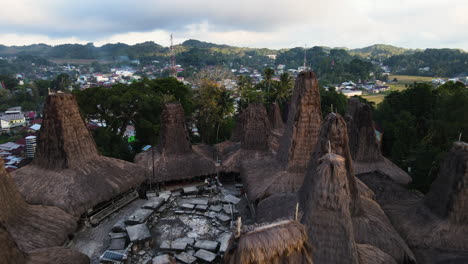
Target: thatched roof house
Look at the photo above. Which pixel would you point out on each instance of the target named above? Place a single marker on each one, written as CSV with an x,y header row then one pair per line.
x,y
327,214
283,242
370,224
276,120
254,138
68,171
11,253
285,172
364,146
31,226
439,220
174,158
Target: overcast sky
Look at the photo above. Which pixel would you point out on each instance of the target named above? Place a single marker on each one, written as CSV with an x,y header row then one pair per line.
x,y
247,23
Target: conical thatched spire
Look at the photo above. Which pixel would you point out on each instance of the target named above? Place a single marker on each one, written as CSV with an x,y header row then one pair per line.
x,y
256,128
64,140
31,226
68,172
174,138
448,196
363,144
276,120
361,131
303,126
174,158
326,214
333,139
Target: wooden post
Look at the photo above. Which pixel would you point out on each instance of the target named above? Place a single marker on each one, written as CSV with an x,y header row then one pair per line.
x,y
297,212
332,108
460,136
329,146
239,225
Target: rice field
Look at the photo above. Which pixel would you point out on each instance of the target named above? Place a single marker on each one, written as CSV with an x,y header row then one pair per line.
x,y
403,81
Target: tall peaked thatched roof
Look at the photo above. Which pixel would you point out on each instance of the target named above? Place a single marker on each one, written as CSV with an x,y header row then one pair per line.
x,y
333,138
448,196
364,146
285,172
283,242
67,171
31,226
256,128
254,139
303,125
64,140
174,158
327,214
276,120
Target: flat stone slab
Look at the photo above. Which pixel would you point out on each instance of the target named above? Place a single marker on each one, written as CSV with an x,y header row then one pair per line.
x,y
178,245
118,243
138,217
162,208
201,207
118,235
224,240
165,195
165,245
228,209
216,208
206,244
138,233
231,199
205,255
198,201
187,206
163,259
223,218
153,203
190,190
189,240
185,258
119,226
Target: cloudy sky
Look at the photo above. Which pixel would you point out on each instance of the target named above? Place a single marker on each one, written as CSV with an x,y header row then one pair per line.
x,y
248,23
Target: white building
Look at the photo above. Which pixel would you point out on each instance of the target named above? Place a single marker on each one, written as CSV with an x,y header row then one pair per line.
x,y
30,146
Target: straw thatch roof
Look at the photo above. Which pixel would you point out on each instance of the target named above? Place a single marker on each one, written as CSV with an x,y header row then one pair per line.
x,y
276,120
285,172
373,227
32,226
11,253
364,146
327,214
303,125
431,256
283,242
371,255
254,139
448,196
174,158
275,207
437,221
67,171
333,138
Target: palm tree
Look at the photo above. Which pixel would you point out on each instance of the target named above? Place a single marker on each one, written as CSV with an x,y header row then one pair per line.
x,y
225,107
268,74
284,88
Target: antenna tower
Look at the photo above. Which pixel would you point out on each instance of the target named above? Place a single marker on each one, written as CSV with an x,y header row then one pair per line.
x,y
305,54
173,60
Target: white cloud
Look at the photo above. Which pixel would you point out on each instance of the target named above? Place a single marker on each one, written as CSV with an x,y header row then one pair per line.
x,y
259,23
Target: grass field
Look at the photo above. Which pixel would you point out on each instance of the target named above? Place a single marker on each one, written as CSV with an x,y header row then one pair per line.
x,y
403,80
